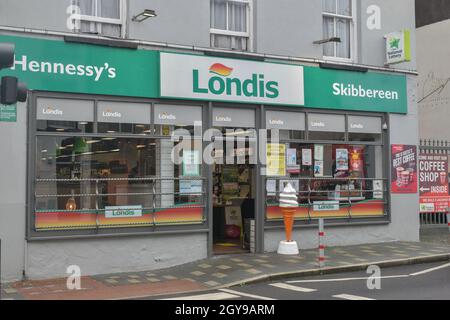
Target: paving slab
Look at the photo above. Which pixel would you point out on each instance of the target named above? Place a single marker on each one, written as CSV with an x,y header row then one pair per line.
x,y
226,271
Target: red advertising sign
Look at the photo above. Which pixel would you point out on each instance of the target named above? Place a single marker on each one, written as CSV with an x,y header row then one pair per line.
x,y
433,182
404,168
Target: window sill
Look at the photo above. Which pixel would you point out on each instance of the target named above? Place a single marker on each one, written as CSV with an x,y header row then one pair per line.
x,y
330,223
337,59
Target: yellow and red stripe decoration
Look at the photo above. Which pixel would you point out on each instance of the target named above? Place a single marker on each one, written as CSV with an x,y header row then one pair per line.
x,y
90,219
368,208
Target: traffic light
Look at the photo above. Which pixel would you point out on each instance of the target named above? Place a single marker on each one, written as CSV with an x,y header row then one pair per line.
x,y
11,90
6,55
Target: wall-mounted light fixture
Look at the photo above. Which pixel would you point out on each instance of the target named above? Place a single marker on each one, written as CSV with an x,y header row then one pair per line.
x,y
147,13
332,39
385,126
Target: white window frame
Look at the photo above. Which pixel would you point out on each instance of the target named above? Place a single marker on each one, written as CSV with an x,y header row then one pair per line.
x,y
353,33
248,34
101,20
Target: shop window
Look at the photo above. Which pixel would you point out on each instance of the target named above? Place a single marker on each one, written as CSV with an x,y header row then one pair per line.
x,y
230,24
179,120
113,182
65,115
326,127
65,126
289,125
101,17
72,159
338,21
364,129
326,136
332,181
128,118
365,137
130,128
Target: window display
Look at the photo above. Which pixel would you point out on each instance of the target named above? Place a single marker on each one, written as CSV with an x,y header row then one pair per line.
x,y
105,180
333,180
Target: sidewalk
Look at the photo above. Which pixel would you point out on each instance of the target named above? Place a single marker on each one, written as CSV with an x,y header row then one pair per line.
x,y
226,271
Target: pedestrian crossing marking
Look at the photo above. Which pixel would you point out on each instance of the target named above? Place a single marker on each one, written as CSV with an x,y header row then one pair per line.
x,y
291,287
350,297
248,295
208,296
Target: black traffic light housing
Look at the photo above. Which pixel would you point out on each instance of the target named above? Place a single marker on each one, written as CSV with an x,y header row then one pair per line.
x,y
11,90
6,55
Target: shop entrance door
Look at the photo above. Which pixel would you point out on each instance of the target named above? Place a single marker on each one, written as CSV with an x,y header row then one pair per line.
x,y
234,180
233,208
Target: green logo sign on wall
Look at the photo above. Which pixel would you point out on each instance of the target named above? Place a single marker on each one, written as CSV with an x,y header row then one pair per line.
x,y
398,47
8,113
332,89
52,65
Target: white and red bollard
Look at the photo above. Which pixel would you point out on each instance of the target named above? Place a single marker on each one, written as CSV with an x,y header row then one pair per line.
x,y
321,244
448,221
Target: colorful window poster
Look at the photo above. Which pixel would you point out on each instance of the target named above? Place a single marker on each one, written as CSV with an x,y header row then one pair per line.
x,y
307,157
318,168
191,163
276,160
433,183
341,159
403,168
291,161
356,159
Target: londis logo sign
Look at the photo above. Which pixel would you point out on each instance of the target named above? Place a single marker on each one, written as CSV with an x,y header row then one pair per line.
x,y
166,116
222,82
208,78
52,111
109,113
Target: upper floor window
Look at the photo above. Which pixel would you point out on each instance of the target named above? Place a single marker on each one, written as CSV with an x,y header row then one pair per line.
x,y
338,21
230,24
103,17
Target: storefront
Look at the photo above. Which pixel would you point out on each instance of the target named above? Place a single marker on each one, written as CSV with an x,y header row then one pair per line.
x,y
105,126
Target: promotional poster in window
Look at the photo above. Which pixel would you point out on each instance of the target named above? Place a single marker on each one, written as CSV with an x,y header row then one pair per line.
x,y
403,168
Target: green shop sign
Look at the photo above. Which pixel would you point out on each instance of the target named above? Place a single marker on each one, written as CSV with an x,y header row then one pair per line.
x,y
332,89
8,113
52,65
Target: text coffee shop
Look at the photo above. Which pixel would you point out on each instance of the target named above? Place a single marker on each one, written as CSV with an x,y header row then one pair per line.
x,y
105,167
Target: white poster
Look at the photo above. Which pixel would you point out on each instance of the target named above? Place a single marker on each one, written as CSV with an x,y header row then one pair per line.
x,y
307,157
190,186
271,187
291,157
318,152
233,216
378,189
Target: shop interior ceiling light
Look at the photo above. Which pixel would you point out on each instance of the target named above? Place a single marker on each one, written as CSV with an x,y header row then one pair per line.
x,y
147,13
